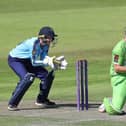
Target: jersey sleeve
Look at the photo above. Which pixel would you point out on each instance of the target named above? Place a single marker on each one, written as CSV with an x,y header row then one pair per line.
x,y
118,54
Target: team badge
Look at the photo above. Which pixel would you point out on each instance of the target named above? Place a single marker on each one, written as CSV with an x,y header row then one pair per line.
x,y
116,58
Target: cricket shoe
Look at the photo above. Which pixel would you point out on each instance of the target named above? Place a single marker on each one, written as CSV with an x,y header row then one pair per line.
x,y
101,108
12,108
45,104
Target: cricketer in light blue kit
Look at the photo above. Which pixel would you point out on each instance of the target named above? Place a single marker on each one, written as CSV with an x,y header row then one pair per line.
x,y
28,60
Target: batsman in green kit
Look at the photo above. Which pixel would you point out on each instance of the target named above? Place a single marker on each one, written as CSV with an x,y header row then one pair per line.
x,y
114,105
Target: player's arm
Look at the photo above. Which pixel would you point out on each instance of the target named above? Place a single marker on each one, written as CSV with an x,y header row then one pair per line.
x,y
118,58
119,66
43,60
119,69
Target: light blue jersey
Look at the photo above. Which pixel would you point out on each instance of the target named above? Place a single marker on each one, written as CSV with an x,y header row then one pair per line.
x,y
30,49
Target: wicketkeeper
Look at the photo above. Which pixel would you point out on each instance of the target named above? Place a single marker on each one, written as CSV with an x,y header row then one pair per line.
x,y
28,60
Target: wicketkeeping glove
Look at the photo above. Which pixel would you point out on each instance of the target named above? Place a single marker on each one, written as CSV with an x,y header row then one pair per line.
x,y
63,65
60,63
49,61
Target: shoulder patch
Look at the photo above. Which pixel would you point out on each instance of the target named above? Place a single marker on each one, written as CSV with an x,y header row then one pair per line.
x,y
116,58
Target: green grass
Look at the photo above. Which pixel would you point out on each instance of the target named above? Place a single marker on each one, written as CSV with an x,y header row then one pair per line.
x,y
86,29
39,5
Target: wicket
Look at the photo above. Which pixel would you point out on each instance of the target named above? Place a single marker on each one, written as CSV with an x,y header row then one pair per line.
x,y
82,84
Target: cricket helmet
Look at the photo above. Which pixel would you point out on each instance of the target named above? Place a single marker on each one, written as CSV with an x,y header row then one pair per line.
x,y
47,31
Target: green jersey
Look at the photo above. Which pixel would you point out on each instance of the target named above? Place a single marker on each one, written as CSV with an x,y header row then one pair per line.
x,y
118,57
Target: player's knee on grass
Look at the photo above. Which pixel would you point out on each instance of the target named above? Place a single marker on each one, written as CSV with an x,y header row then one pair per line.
x,y
109,108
